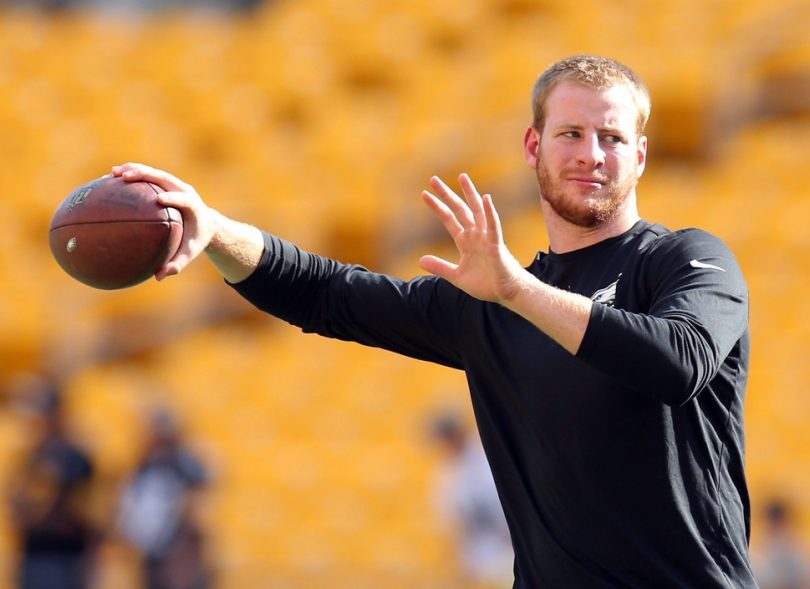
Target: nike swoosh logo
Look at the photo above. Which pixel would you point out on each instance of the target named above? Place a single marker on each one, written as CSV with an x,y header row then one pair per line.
x,y
697,264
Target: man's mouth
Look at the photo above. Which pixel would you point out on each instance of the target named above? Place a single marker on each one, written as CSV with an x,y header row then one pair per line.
x,y
595,181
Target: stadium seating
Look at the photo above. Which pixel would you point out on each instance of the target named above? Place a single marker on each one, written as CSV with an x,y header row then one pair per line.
x,y
322,120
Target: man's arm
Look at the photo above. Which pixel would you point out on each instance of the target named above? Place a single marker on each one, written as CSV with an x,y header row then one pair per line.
x,y
234,248
673,351
560,314
695,326
487,270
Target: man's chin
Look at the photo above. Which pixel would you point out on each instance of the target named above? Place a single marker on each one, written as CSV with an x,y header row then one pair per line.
x,y
581,216
587,213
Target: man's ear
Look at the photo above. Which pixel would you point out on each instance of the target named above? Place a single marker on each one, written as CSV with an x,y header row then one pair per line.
x,y
642,154
531,146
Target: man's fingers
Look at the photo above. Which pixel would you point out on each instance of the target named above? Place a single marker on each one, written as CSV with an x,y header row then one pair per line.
x,y
438,266
469,211
454,202
178,200
493,219
166,271
473,200
445,214
135,172
174,266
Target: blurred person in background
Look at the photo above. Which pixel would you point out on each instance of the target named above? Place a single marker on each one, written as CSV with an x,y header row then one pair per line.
x,y
468,500
50,500
607,378
159,514
780,562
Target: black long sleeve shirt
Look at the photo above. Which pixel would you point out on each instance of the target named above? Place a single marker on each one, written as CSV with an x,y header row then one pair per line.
x,y
620,466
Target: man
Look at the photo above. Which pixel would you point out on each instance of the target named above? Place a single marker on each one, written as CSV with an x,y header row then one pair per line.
x,y
781,561
49,501
607,378
159,510
467,501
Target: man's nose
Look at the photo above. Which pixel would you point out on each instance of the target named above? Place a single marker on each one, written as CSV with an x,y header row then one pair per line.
x,y
591,153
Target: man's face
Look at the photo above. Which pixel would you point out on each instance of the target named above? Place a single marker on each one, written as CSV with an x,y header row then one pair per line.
x,y
589,156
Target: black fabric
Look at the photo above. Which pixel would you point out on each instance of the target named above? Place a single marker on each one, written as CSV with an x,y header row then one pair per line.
x,y
622,466
57,470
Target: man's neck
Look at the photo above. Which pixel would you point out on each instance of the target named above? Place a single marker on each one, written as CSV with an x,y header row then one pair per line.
x,y
565,237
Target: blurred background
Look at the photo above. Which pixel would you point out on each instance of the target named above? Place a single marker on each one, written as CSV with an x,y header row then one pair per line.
x,y
305,462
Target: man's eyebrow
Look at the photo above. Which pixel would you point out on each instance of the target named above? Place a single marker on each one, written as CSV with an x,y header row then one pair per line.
x,y
609,127
613,129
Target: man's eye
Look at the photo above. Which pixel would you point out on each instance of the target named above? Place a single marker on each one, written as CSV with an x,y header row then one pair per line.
x,y
573,134
615,139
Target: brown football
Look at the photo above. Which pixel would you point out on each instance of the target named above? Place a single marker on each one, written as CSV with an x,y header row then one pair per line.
x,y
113,234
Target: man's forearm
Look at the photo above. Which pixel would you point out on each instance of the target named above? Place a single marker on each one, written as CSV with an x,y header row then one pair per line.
x,y
235,249
560,314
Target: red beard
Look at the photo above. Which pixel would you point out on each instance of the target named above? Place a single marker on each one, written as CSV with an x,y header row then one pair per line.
x,y
588,213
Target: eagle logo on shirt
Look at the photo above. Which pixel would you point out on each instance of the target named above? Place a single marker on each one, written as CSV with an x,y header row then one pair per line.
x,y
607,294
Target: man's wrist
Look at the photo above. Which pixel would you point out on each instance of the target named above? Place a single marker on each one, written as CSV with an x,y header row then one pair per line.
x,y
235,248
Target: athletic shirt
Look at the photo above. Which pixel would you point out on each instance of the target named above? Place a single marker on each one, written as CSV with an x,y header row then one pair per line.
x,y
620,466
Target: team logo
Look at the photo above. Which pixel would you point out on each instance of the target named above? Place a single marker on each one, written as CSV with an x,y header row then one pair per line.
x,y
697,264
78,198
606,295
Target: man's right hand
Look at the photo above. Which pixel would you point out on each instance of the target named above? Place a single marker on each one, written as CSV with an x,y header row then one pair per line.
x,y
234,248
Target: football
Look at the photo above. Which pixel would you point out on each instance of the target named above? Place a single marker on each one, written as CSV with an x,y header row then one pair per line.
x,y
112,234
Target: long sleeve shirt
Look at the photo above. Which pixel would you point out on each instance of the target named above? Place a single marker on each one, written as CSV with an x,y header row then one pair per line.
x,y
620,466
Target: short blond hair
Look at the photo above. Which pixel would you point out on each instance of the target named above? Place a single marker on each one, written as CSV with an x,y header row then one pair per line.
x,y
594,72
